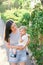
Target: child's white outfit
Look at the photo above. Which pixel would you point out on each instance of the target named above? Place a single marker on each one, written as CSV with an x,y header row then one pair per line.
x,y
25,39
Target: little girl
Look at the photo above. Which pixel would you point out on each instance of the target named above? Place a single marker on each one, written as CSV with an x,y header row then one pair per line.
x,y
24,37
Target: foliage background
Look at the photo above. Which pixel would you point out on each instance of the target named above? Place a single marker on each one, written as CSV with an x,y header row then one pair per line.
x,y
30,14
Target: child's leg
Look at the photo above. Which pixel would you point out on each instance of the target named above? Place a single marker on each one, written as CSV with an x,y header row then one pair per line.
x,y
15,52
27,53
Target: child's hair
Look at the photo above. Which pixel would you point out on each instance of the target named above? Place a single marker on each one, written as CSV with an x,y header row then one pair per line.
x,y
23,27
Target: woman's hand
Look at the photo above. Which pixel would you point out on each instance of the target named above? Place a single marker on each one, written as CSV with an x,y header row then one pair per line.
x,y
20,47
8,46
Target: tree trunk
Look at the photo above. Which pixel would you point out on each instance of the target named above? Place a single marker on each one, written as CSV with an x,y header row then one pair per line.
x,y
41,1
9,4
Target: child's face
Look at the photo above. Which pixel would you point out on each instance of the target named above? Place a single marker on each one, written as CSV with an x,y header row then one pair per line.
x,y
22,31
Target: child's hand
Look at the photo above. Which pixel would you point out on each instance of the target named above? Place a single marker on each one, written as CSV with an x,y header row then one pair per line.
x,y
21,40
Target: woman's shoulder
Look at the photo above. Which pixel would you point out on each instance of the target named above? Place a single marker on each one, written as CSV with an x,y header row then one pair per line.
x,y
18,31
12,34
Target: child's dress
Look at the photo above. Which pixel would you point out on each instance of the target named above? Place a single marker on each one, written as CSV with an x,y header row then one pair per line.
x,y
24,42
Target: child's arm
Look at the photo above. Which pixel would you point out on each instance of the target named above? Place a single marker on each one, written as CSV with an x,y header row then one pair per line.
x,y
27,41
21,39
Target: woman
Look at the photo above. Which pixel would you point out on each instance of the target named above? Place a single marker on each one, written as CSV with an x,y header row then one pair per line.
x,y
12,36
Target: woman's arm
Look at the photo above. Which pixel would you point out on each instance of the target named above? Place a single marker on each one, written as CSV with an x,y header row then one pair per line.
x,y
16,47
11,46
8,45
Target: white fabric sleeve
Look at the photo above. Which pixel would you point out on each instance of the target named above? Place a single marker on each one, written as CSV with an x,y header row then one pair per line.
x,y
25,38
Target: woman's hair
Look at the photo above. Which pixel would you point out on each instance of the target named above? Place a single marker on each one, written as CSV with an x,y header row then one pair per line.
x,y
8,29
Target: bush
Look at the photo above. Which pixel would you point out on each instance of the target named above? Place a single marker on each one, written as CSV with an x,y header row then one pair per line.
x,y
9,14
37,51
25,19
36,44
37,19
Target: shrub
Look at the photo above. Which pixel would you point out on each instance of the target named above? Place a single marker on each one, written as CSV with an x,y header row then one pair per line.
x,y
25,19
36,44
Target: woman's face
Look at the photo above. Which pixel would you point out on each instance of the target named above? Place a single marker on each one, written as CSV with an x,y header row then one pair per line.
x,y
13,27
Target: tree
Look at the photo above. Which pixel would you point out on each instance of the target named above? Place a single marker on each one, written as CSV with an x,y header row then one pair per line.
x,y
9,4
1,1
41,1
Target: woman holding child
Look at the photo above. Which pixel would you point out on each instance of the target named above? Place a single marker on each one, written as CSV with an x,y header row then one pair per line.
x,y
16,42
